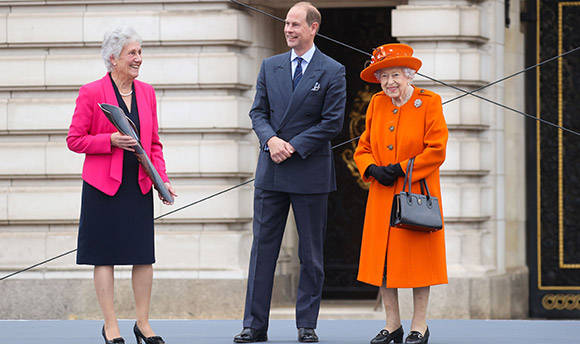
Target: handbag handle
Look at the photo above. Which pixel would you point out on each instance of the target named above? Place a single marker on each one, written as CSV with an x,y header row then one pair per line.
x,y
408,173
409,180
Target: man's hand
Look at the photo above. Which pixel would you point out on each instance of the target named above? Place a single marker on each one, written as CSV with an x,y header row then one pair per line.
x,y
280,150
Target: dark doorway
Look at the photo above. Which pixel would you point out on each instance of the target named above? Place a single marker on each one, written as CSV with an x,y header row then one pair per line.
x,y
364,29
553,159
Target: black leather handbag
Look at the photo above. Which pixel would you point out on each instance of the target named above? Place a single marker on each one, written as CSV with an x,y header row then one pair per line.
x,y
418,212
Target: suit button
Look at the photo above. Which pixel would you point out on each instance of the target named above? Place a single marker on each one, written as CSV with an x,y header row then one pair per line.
x,y
392,128
390,147
396,110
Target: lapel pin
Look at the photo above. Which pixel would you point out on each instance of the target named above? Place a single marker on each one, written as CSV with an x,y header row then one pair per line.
x,y
418,103
316,87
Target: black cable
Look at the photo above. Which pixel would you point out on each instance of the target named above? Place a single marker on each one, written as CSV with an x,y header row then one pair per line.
x,y
512,75
35,265
504,106
345,142
448,85
204,199
283,20
156,218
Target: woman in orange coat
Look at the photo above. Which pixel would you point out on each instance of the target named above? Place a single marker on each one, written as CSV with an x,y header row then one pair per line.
x,y
402,122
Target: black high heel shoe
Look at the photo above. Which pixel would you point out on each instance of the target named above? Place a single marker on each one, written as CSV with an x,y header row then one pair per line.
x,y
415,337
385,337
118,340
147,340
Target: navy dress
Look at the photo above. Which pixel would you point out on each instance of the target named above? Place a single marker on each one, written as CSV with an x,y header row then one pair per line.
x,y
118,230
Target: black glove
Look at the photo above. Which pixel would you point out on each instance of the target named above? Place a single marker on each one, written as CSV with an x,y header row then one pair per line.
x,y
383,174
396,169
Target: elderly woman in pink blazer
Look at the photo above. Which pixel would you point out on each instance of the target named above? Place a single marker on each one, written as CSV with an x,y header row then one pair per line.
x,y
116,222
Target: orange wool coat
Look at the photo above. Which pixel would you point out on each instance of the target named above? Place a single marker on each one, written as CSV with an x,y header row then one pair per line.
x,y
394,135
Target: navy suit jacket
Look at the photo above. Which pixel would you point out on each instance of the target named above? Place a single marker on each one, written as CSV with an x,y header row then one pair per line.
x,y
307,118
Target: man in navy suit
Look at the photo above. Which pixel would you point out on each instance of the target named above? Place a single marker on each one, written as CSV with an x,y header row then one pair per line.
x,y
297,110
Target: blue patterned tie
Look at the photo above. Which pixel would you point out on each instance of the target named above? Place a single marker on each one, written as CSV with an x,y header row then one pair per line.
x,y
297,73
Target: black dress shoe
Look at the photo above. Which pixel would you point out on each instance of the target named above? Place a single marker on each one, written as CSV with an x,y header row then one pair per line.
x,y
250,335
415,337
307,335
385,337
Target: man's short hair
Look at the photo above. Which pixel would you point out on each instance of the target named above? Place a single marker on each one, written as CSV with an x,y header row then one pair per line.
x,y
312,13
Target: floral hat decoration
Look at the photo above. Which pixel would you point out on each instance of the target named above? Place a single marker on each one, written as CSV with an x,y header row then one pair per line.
x,y
390,55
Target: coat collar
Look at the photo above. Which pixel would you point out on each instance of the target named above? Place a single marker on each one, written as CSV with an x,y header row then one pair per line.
x,y
296,98
283,77
109,91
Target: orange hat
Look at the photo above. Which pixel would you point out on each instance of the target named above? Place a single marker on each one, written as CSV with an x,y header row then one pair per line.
x,y
390,55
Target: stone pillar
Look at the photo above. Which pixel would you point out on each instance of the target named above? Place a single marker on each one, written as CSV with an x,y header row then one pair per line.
x,y
463,43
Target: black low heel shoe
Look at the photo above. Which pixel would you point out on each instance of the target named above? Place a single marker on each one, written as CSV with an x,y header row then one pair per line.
x,y
415,337
147,340
119,340
385,337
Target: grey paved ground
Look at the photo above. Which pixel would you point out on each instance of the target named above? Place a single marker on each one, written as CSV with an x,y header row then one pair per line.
x,y
283,331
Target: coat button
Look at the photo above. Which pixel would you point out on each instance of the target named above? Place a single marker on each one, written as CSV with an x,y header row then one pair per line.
x,y
422,91
392,128
396,110
390,147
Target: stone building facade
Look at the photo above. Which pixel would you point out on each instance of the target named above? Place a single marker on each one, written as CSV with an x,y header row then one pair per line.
x,y
202,57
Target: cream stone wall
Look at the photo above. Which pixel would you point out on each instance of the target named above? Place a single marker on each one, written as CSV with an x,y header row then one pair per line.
x,y
202,60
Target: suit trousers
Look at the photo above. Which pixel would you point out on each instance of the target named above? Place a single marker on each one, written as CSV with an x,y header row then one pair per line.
x,y
270,214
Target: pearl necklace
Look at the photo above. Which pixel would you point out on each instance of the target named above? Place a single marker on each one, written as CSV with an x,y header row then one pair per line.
x,y
125,94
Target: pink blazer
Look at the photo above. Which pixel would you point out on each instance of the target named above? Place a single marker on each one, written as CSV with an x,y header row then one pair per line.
x,y
90,133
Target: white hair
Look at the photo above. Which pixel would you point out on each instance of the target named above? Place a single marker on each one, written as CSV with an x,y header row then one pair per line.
x,y
408,72
114,41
